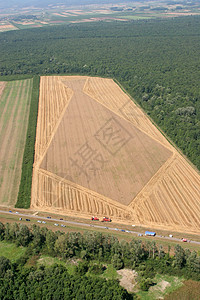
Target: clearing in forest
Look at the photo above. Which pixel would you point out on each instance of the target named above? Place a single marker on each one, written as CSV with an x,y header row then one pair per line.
x,y
15,99
97,153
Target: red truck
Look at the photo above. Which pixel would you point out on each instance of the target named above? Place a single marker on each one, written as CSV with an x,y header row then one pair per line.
x,y
95,219
106,219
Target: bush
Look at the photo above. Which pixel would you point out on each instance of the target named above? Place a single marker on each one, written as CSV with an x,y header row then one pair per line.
x,y
145,284
96,269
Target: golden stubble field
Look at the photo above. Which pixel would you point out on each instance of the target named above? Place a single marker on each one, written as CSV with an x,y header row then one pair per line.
x,y
97,153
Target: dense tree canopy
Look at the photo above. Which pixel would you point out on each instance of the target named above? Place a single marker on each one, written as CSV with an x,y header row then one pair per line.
x,y
146,257
94,251
156,61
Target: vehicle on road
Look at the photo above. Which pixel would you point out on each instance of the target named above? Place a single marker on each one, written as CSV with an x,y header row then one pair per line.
x,y
95,219
62,225
170,235
48,217
184,240
16,212
10,211
150,233
39,221
56,224
28,220
106,219
44,222
140,234
122,230
20,219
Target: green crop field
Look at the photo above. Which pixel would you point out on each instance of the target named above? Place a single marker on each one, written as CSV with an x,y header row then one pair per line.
x,y
14,115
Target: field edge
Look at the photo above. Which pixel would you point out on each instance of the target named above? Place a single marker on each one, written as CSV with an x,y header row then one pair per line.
x,y
24,194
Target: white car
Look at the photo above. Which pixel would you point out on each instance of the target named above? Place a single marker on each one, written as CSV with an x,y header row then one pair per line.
x,y
43,222
56,224
39,221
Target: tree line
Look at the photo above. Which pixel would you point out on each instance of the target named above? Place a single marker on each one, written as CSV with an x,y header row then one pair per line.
x,y
54,282
156,61
145,257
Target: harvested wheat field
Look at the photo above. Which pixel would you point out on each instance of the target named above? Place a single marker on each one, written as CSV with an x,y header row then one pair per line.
x,y
14,114
97,153
5,27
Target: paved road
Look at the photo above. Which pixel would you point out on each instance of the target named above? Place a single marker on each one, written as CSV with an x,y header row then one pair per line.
x,y
90,225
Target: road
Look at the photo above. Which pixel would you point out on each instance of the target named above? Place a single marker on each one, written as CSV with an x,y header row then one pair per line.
x,y
91,225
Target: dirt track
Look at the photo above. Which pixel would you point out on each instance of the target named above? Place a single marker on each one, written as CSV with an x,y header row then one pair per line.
x,y
145,180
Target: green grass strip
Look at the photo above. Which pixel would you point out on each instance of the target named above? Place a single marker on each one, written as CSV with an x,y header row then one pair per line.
x,y
24,195
11,251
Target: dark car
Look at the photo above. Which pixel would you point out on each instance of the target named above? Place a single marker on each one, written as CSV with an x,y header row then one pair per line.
x,y
27,219
48,217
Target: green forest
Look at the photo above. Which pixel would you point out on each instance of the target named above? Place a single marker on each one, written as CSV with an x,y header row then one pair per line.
x,y
156,61
21,279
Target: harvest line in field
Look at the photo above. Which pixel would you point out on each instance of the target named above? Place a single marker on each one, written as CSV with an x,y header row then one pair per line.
x,y
91,134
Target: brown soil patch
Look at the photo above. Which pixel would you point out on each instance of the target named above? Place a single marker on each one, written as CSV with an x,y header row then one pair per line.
x,y
98,153
128,279
161,286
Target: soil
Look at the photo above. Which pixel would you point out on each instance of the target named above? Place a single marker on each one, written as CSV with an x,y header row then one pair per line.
x,y
128,279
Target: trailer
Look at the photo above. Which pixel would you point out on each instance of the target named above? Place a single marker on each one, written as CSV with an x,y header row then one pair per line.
x,y
150,233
